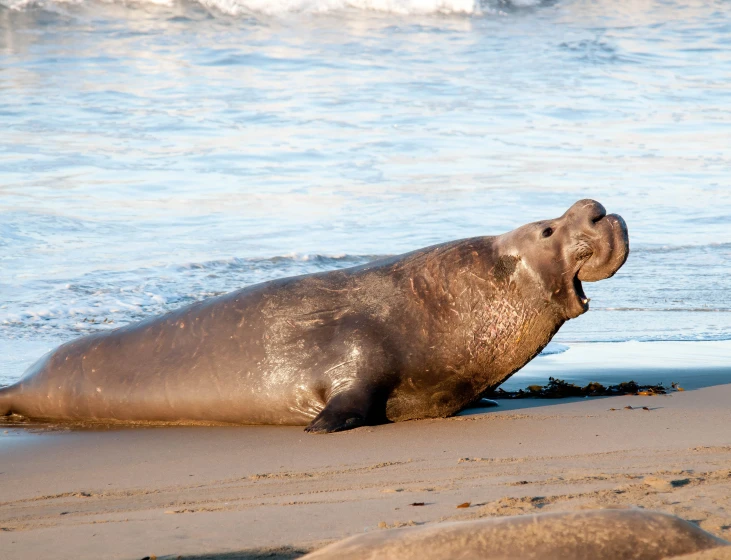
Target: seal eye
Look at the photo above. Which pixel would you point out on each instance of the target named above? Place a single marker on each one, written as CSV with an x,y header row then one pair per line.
x,y
548,232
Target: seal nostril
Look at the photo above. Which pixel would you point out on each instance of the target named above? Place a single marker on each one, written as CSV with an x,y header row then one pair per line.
x,y
598,218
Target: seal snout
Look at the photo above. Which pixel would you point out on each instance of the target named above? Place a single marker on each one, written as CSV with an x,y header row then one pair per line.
x,y
599,247
586,212
609,243
597,212
601,240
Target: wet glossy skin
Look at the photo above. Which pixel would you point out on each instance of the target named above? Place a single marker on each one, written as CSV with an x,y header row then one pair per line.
x,y
414,336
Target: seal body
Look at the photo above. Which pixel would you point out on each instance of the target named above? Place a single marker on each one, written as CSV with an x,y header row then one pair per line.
x,y
608,534
415,336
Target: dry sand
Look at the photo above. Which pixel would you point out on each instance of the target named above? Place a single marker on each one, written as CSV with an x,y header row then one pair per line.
x,y
228,492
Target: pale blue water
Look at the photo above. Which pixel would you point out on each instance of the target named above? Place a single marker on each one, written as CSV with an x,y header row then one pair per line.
x,y
153,154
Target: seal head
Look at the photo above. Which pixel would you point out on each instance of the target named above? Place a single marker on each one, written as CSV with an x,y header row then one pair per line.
x,y
585,244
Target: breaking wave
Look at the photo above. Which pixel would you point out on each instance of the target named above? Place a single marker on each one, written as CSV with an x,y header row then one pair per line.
x,y
102,300
282,7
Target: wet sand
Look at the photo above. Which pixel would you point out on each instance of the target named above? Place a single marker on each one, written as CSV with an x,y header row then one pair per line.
x,y
227,492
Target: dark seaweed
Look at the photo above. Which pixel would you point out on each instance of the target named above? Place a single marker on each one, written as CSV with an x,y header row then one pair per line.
x,y
560,389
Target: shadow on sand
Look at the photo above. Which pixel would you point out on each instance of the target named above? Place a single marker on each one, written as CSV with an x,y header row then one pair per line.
x,y
277,553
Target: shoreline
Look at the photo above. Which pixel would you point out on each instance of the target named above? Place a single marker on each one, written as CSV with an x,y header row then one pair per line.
x,y
694,364
607,363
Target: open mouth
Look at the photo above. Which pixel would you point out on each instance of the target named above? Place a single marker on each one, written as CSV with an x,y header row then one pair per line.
x,y
579,291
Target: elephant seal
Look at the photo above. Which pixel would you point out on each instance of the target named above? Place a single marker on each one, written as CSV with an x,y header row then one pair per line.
x,y
600,535
420,335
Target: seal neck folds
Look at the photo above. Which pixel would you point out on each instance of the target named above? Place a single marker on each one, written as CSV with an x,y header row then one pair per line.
x,y
492,313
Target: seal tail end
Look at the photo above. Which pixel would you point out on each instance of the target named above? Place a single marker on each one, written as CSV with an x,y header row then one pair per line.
x,y
6,399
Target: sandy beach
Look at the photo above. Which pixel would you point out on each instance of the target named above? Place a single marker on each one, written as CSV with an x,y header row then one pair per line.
x,y
277,492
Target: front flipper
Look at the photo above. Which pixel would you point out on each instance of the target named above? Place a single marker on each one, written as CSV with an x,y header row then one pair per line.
x,y
348,409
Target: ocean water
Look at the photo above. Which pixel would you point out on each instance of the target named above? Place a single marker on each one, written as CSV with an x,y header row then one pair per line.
x,y
154,153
